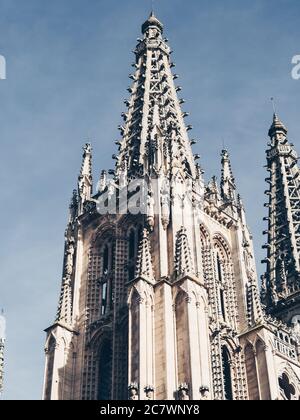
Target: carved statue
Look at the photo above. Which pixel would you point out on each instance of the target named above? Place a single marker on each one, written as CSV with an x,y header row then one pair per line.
x,y
150,210
296,325
204,391
183,392
133,390
149,391
70,258
165,203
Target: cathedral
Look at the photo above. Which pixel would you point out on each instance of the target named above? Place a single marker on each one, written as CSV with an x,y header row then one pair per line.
x,y
160,298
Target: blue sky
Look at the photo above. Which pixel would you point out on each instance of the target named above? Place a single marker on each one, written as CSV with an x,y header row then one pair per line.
x,y
67,72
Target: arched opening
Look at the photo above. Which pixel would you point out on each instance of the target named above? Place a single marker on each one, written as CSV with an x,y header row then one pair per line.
x,y
227,377
105,266
106,279
222,297
134,238
104,287
105,371
219,268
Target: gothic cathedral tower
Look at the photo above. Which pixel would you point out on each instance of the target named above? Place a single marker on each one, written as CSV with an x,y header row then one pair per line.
x,y
281,283
159,296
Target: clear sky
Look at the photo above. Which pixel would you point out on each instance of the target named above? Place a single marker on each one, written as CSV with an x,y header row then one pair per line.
x,y
67,72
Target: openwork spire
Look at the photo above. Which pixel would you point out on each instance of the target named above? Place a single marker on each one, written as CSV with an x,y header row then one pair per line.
x,y
154,135
282,277
228,187
183,256
144,267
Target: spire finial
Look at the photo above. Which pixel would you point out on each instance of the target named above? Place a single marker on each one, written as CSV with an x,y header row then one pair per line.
x,y
223,143
274,105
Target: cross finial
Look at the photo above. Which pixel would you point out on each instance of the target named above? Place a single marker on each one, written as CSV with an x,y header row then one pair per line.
x,y
152,6
274,105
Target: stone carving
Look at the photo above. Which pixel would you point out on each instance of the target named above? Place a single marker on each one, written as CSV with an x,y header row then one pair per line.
x,y
204,392
183,392
133,391
150,210
149,391
165,204
69,258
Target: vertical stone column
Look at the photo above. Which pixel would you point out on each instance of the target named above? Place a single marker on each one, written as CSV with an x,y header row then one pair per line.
x,y
165,355
141,339
120,344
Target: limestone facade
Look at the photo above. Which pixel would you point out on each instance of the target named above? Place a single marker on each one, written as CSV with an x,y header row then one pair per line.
x,y
164,303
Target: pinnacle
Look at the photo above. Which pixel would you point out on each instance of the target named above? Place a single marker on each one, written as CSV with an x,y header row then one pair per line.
x,y
86,167
144,262
255,313
183,256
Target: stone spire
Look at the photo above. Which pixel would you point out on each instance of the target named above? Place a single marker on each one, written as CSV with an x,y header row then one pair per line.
x,y
144,268
228,187
282,277
183,256
154,135
85,179
2,342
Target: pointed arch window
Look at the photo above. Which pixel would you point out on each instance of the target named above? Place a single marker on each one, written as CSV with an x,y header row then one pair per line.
x,y
222,297
105,260
106,278
227,376
105,371
134,238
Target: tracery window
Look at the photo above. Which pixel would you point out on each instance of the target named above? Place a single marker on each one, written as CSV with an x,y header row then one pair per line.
x,y
227,377
105,371
287,389
106,287
221,288
134,238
